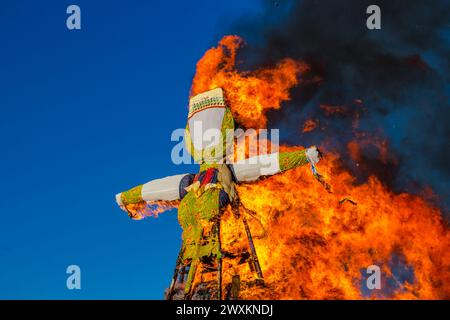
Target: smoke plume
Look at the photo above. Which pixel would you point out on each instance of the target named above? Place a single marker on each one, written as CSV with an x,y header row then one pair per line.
x,y
379,98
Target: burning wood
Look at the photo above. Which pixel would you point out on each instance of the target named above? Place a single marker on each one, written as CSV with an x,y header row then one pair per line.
x,y
347,200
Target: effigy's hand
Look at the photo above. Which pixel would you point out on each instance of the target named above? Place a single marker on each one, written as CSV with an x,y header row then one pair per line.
x,y
313,155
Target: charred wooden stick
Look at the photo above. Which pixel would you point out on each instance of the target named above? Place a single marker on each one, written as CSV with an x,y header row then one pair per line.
x,y
219,267
349,200
235,287
254,256
322,181
175,274
254,215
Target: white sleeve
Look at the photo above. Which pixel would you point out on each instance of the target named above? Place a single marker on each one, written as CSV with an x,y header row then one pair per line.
x,y
162,189
251,169
165,189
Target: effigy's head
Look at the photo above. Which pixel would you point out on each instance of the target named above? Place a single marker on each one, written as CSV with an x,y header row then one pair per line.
x,y
210,127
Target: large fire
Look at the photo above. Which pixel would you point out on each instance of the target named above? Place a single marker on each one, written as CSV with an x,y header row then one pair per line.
x,y
250,94
315,244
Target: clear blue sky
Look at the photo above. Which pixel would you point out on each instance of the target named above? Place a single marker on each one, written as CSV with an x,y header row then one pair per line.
x,y
84,115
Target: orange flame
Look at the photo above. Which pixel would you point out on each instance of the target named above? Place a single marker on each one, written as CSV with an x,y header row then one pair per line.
x,y
309,125
141,210
250,93
313,244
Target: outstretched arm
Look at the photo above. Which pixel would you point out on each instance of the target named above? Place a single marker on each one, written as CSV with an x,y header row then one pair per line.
x,y
160,190
265,165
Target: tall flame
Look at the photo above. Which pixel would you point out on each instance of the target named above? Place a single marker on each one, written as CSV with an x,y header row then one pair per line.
x,y
250,94
313,244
